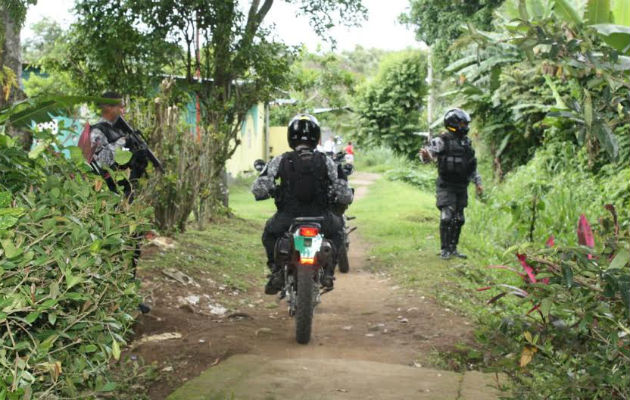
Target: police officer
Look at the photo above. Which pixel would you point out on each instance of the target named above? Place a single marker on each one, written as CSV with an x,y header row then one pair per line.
x,y
457,167
106,138
310,183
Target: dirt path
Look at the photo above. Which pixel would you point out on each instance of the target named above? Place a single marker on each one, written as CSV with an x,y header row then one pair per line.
x,y
369,341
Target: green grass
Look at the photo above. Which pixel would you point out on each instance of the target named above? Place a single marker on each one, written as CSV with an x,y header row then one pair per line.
x,y
401,224
229,249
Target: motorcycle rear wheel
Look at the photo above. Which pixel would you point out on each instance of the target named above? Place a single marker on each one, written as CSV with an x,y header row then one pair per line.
x,y
342,260
304,314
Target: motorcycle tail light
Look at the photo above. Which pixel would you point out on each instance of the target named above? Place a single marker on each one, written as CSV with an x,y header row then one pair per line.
x,y
307,261
308,231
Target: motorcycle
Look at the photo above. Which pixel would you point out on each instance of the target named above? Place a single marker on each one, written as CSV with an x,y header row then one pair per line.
x,y
304,254
343,262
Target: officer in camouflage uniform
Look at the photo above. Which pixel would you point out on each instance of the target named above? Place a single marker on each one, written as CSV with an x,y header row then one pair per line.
x,y
310,184
106,139
457,167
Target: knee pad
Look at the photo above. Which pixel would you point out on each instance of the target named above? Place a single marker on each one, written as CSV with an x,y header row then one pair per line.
x,y
447,214
459,218
325,254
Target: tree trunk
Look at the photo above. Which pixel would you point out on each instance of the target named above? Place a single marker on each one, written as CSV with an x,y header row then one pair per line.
x,y
11,64
11,56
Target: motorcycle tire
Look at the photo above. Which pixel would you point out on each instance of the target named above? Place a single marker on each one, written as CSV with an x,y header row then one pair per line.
x,y
342,260
304,312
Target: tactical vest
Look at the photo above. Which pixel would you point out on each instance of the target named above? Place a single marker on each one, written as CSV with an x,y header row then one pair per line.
x,y
110,133
457,161
303,182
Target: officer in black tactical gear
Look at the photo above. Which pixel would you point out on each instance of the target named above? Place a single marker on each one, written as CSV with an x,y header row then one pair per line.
x,y
457,167
310,185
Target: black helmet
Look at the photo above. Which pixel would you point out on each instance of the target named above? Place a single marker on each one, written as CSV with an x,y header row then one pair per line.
x,y
456,121
303,129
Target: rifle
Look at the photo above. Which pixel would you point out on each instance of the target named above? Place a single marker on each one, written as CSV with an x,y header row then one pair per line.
x,y
136,142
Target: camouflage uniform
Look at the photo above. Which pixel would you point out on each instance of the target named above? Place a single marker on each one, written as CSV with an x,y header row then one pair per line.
x,y
264,187
104,151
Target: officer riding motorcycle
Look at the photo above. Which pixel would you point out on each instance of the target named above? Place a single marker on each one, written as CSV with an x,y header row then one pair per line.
x,y
310,185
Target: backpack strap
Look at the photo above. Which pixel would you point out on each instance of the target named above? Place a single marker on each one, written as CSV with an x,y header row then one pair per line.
x,y
110,133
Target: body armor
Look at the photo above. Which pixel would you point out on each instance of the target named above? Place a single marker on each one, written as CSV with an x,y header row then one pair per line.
x,y
303,182
457,162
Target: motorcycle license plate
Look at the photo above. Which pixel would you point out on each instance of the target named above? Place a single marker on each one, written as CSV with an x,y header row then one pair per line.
x,y
307,246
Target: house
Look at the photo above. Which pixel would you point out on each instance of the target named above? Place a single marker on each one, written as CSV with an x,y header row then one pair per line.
x,y
257,139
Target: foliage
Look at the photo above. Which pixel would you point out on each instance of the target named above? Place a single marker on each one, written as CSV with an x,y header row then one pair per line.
x,y
46,55
239,64
568,337
17,9
174,193
543,77
67,286
422,177
440,23
318,83
389,106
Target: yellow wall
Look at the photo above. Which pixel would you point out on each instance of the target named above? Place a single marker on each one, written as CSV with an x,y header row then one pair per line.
x,y
278,141
252,147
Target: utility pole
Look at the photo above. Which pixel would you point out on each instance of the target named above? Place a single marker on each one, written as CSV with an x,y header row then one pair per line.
x,y
430,101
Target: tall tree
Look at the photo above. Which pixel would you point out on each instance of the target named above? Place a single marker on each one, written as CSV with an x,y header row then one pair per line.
x,y
390,105
440,22
239,64
12,15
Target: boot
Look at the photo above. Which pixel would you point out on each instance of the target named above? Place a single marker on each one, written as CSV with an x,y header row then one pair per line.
x,y
276,279
457,230
444,240
328,280
144,308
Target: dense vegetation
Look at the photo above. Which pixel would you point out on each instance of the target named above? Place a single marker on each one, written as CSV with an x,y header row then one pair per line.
x,y
67,288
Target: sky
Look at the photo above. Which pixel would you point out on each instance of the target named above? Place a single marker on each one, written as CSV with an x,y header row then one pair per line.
x,y
381,30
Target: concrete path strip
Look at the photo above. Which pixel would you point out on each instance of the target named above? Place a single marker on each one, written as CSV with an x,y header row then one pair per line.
x,y
254,377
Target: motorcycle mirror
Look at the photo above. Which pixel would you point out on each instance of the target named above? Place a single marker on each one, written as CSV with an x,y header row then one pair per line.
x,y
348,168
259,165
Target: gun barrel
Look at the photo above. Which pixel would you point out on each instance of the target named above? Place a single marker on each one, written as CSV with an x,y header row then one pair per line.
x,y
138,142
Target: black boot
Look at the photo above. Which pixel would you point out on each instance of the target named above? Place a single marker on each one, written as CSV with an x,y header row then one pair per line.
x,y
445,231
328,280
276,279
144,308
457,230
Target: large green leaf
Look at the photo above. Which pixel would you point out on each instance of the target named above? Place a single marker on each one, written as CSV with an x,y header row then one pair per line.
x,y
566,10
621,12
606,138
598,12
616,36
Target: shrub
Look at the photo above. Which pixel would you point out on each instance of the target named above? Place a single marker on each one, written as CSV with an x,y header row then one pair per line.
x,y
569,336
66,286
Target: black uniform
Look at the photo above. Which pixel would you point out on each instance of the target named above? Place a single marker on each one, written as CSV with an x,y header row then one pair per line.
x,y
457,167
305,190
